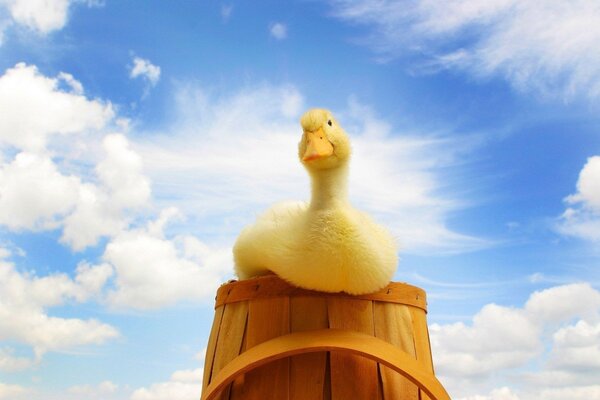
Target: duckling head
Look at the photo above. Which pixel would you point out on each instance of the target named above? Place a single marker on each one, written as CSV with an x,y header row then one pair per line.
x,y
324,144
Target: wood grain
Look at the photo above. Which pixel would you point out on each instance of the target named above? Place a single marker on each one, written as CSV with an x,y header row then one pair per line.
x,y
211,346
422,345
229,342
393,323
352,377
267,318
251,312
307,371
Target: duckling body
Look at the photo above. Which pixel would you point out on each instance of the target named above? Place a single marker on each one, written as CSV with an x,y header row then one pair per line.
x,y
324,245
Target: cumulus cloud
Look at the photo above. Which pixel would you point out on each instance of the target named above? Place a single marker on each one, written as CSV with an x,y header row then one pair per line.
x,y
571,393
554,329
582,216
588,186
34,194
503,393
99,391
183,385
47,183
91,189
243,147
460,348
43,16
10,392
577,346
153,271
25,299
24,93
560,303
546,46
278,30
100,209
145,69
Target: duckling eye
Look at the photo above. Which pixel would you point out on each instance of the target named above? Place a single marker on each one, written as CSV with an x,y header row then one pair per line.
x,y
329,123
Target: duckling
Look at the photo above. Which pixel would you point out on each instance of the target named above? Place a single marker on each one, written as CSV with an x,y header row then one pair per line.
x,y
325,245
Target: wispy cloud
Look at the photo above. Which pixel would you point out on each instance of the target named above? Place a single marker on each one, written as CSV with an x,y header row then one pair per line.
x,y
231,157
278,30
549,47
234,156
145,69
226,10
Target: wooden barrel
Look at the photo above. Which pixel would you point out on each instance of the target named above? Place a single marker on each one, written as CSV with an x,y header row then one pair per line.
x,y
273,341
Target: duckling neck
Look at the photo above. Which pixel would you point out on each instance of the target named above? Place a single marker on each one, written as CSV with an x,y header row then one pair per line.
x,y
329,187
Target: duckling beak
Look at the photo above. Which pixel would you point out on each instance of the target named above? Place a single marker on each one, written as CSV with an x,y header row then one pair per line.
x,y
317,145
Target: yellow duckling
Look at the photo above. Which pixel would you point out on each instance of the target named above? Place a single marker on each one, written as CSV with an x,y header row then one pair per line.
x,y
325,245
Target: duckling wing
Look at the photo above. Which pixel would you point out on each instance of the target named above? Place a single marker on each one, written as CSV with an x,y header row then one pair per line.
x,y
262,245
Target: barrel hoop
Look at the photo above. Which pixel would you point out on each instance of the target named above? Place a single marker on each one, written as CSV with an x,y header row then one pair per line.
x,y
345,341
273,286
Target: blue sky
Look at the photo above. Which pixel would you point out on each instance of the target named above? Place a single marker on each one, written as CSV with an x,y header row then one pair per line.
x,y
138,138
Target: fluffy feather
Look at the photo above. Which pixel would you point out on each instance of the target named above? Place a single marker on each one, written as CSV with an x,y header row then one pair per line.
x,y
325,245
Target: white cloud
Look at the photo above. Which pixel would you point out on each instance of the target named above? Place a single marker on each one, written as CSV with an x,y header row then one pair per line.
x,y
201,355
74,84
183,385
153,271
577,346
489,344
10,392
145,69
243,147
545,46
588,186
41,16
574,359
555,334
582,217
560,303
90,280
226,11
10,363
47,183
25,92
24,300
101,390
34,194
503,393
102,195
100,210
571,393
278,30
121,173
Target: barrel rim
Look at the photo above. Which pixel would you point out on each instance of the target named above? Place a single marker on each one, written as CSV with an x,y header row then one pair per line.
x,y
273,286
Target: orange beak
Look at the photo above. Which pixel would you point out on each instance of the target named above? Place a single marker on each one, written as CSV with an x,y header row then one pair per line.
x,y
317,145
